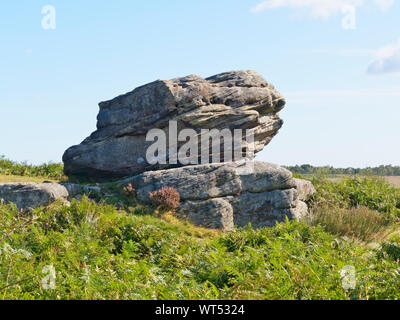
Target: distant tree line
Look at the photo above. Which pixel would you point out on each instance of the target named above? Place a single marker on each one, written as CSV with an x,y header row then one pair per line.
x,y
48,170
388,170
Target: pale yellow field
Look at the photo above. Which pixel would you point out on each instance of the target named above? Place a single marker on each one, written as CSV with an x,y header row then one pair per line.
x,y
6,178
393,180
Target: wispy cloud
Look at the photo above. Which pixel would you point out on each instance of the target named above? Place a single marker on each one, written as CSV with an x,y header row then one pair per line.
x,y
384,4
319,8
387,60
384,60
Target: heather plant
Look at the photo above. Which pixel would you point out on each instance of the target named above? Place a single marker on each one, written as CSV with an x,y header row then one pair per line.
x,y
167,198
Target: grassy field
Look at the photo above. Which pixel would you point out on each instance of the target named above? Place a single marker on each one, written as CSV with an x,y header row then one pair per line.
x,y
14,178
94,250
393,180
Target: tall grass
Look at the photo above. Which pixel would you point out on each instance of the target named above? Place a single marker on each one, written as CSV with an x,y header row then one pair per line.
x,y
373,193
358,223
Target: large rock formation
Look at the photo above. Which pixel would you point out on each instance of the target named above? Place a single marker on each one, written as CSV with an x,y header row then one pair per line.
x,y
231,194
232,100
220,196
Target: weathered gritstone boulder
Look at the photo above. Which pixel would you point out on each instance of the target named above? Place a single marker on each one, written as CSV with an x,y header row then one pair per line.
x,y
219,195
230,194
232,100
305,189
32,195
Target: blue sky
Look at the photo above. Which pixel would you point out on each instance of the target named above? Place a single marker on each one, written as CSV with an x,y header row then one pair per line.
x,y
342,85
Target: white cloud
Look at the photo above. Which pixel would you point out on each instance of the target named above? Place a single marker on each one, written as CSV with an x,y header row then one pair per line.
x,y
319,8
384,4
387,60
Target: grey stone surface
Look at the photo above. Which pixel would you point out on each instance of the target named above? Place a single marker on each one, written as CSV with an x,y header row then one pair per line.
x,y
200,182
231,100
230,194
305,189
32,195
216,213
73,189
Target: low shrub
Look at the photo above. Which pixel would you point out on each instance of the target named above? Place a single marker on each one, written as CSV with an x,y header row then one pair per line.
x,y
129,191
167,198
390,250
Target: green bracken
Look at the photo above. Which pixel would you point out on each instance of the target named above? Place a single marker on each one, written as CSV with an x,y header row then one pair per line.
x,y
373,193
99,252
92,250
